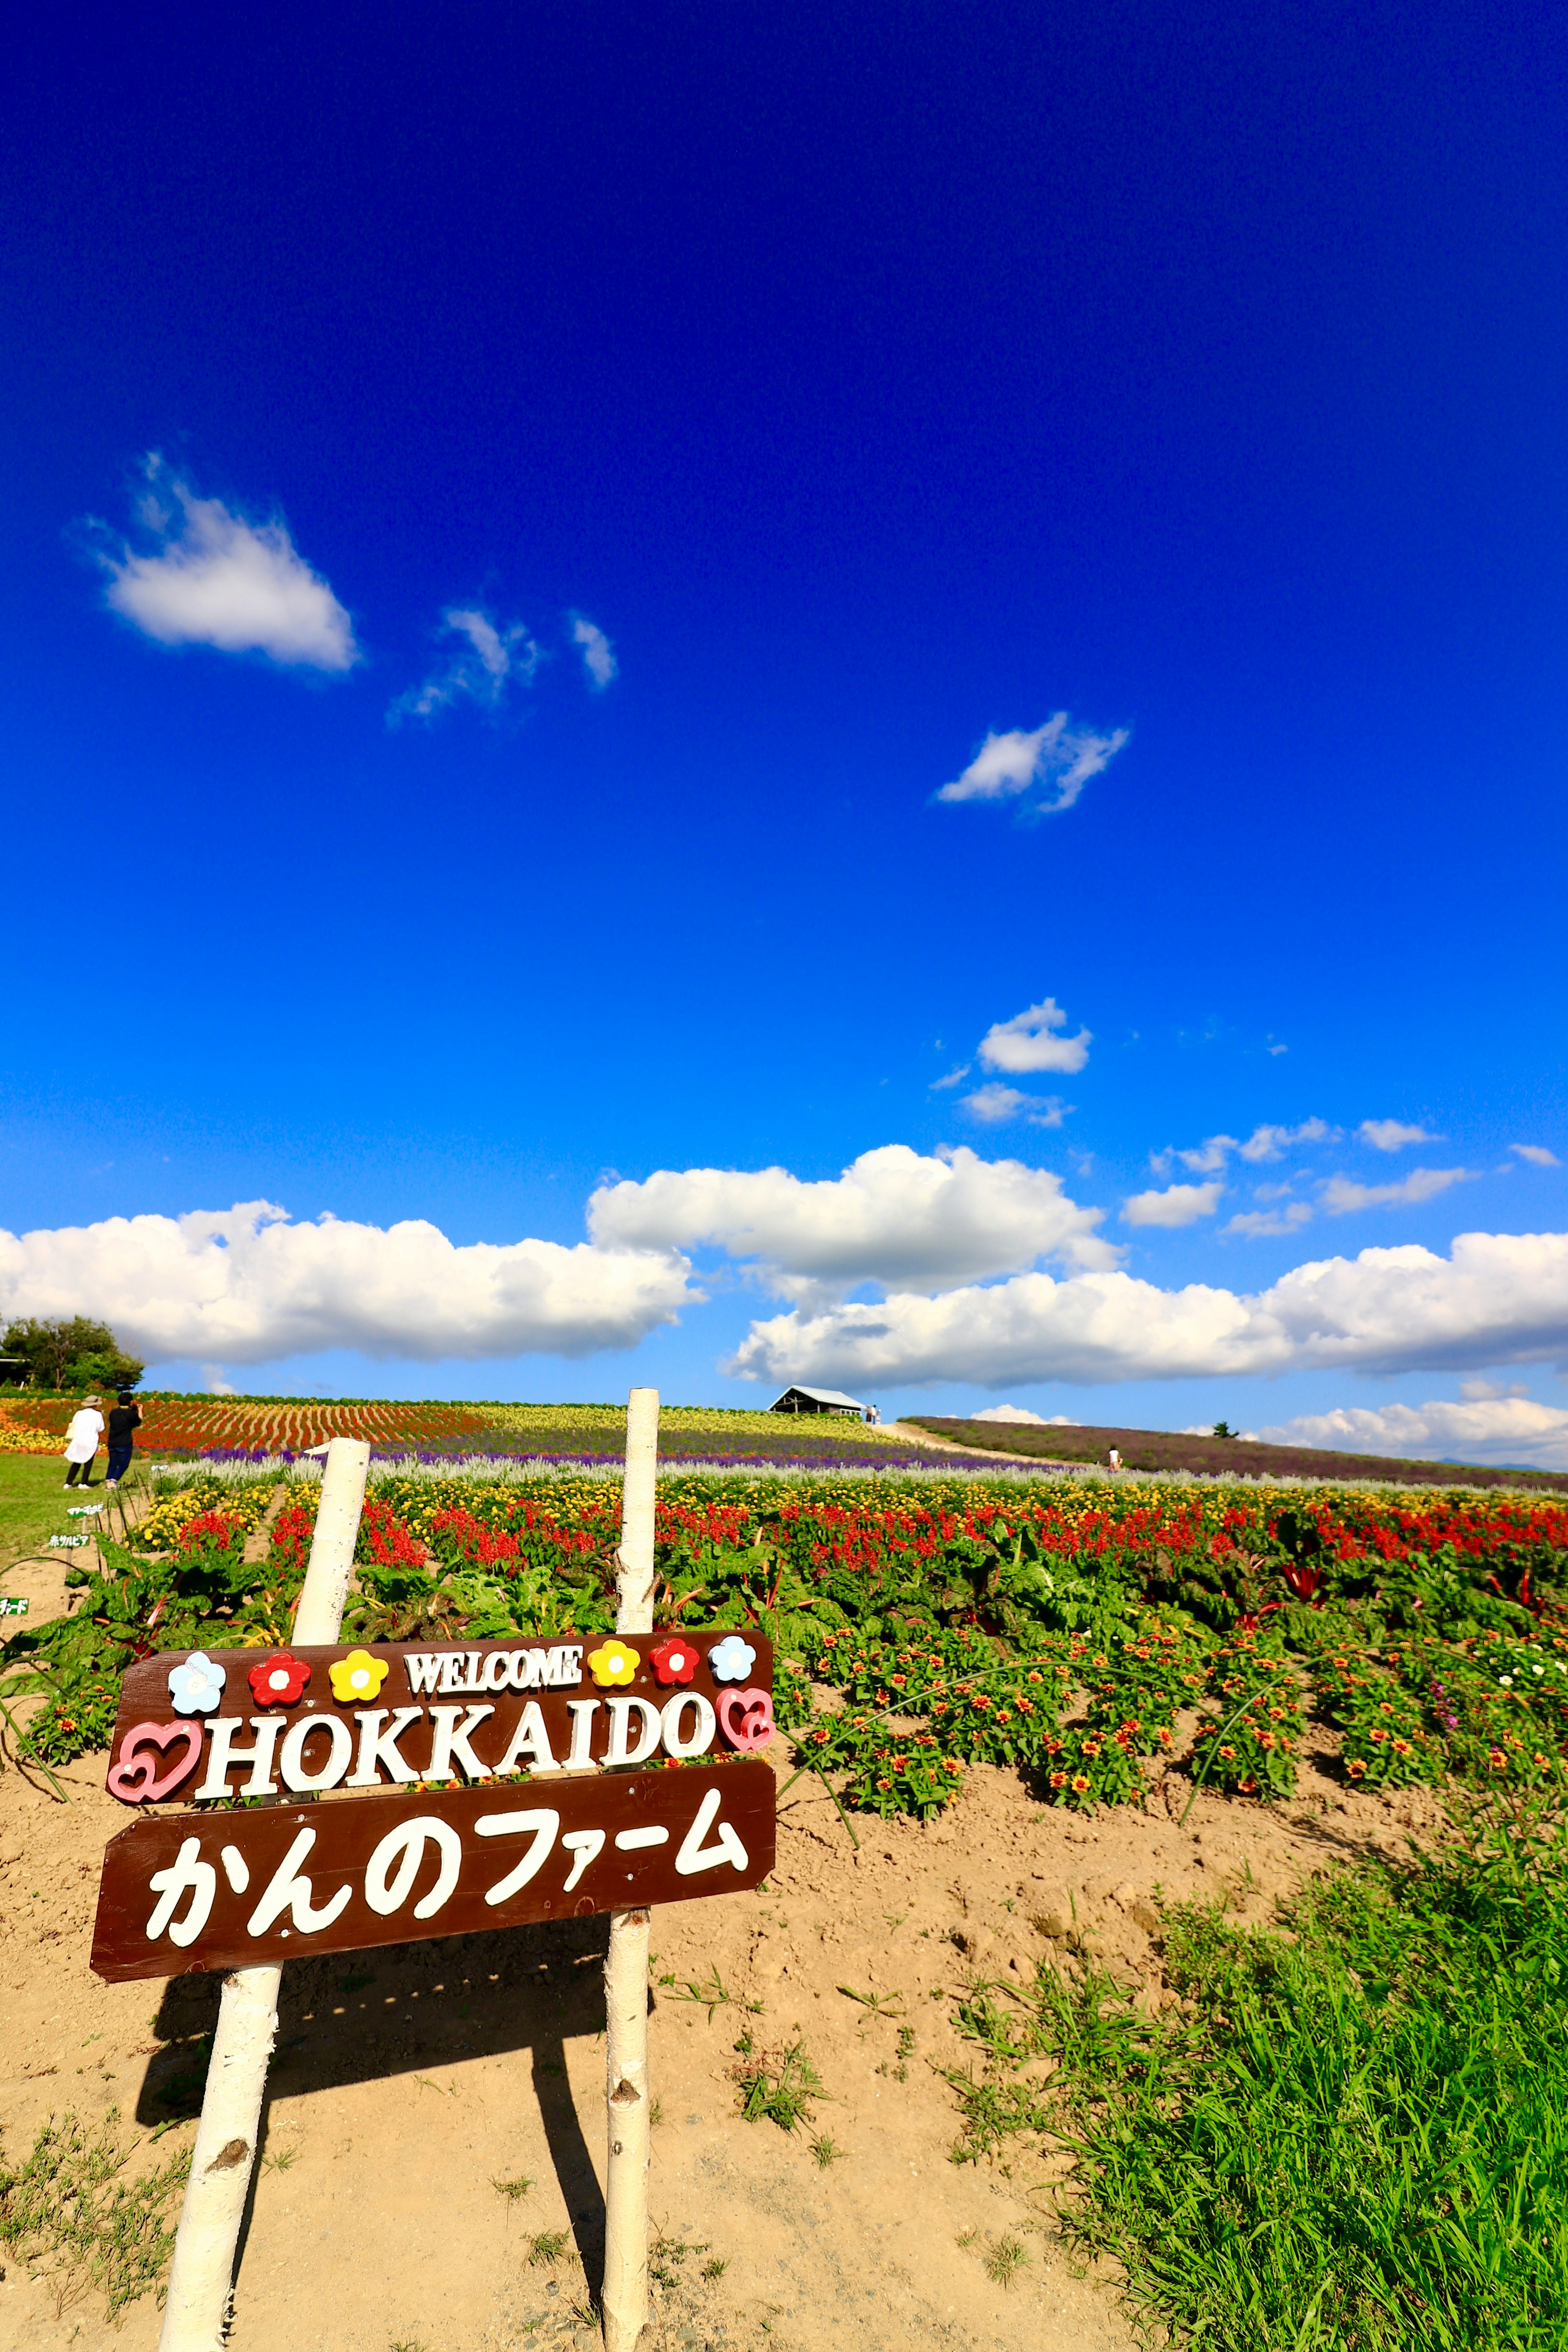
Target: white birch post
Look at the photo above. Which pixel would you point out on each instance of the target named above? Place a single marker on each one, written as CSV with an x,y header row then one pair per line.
x,y
196,2316
625,2297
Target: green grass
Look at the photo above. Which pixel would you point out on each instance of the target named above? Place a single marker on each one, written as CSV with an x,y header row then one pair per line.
x,y
67,2213
32,1506
1358,2137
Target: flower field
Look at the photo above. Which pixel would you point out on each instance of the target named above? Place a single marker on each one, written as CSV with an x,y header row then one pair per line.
x,y
1082,1634
228,1428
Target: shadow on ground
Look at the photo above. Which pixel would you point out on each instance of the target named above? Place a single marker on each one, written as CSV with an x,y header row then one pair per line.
x,y
404,2007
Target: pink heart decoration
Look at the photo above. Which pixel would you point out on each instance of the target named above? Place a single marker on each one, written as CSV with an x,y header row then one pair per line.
x,y
747,1716
134,1778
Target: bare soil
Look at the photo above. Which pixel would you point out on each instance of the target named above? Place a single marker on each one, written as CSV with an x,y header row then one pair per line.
x,y
409,2081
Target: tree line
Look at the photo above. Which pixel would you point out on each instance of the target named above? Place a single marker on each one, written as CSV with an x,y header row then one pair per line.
x,y
75,1354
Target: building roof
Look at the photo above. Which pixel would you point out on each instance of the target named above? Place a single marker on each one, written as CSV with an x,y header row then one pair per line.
x,y
818,1396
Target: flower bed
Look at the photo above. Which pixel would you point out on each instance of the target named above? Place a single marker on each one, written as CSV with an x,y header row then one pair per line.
x,y
1083,1634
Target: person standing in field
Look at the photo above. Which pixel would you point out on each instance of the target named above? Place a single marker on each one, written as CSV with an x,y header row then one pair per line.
x,y
124,1421
81,1441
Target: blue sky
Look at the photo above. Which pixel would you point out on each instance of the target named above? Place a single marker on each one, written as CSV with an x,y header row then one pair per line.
x,y
517,517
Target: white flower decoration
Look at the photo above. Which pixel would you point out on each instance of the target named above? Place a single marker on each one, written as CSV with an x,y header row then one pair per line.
x,y
731,1660
196,1687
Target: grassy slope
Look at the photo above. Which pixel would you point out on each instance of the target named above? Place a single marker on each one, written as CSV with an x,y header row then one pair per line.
x,y
1160,1449
1357,2135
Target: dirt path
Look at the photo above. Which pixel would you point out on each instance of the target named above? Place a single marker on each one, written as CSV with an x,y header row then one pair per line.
x,y
410,2081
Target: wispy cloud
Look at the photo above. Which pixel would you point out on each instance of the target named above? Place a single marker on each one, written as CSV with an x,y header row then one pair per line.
x,y
1340,1196
212,576
490,662
1392,1135
1052,763
1263,1143
598,654
993,1104
953,1078
1254,1224
1537,1154
1273,1142
1026,1042
1178,1204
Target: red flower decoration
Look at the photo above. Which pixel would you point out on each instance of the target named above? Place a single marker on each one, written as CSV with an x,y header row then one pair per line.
x,y
280,1680
674,1660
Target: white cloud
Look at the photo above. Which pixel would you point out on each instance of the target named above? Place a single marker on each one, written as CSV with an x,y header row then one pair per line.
x,y
1537,1154
953,1078
1253,1224
1340,1196
893,1217
1020,1412
493,662
1059,758
1392,1134
1026,1042
1178,1204
1505,1428
598,654
242,1286
214,578
1496,1298
994,1104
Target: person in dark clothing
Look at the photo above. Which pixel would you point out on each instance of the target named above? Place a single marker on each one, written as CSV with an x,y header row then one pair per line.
x,y
124,1420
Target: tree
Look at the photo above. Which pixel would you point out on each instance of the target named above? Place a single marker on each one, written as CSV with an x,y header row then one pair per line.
x,y
1223,1429
74,1353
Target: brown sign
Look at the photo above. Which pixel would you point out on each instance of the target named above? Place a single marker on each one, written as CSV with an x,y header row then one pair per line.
x,y
236,1889
260,1723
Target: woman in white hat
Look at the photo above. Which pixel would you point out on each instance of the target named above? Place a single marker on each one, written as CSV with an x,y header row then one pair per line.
x,y
81,1441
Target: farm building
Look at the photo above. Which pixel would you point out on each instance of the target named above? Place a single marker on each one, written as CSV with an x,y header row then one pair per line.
x,y
819,1401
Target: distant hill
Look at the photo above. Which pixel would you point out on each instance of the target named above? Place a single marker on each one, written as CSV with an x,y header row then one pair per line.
x,y
1164,1449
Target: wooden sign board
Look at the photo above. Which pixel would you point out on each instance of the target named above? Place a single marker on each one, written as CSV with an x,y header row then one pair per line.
x,y
290,1723
227,1889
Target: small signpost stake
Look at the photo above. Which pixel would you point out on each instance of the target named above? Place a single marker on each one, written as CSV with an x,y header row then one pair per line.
x,y
202,2279
625,2299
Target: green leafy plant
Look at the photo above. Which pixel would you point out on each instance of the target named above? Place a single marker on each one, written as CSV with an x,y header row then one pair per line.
x,y
779,2084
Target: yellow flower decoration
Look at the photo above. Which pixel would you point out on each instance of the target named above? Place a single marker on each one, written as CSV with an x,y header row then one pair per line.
x,y
613,1663
359,1675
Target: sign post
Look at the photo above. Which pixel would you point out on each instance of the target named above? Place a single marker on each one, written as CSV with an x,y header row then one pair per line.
x,y
201,2281
626,2104
399,1791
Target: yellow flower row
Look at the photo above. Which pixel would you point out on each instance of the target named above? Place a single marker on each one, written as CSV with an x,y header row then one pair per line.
x,y
17,1438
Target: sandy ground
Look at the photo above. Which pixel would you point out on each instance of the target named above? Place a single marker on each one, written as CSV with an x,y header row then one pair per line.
x,y
409,2081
